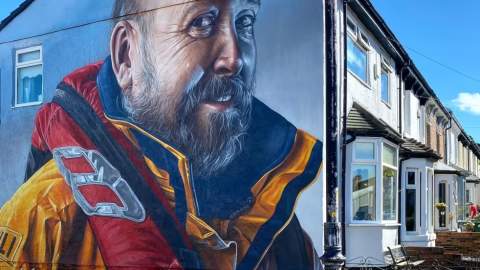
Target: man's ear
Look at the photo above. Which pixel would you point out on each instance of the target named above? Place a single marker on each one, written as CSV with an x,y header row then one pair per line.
x,y
122,43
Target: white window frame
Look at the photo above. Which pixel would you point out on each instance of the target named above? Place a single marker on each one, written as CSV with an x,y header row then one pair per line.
x,y
24,65
378,163
417,187
363,42
447,202
384,142
389,92
354,32
386,68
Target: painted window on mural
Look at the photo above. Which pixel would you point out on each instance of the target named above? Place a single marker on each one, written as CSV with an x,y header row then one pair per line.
x,y
389,182
29,76
363,197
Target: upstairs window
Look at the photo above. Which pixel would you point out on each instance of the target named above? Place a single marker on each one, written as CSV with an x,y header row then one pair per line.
x,y
385,86
358,46
28,76
385,81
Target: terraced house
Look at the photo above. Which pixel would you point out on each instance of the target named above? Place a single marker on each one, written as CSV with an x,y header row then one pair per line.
x,y
405,152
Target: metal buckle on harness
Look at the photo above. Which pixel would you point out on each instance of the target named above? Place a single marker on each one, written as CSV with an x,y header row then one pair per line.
x,y
105,175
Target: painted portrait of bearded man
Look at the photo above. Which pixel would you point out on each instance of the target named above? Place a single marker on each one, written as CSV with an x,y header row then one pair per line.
x,y
161,157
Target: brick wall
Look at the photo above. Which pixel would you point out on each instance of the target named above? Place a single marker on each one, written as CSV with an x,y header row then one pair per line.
x,y
465,243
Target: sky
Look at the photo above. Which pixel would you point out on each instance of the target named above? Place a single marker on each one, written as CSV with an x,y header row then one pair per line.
x,y
7,6
443,39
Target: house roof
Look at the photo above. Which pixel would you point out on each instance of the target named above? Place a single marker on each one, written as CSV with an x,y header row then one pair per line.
x,y
15,13
413,148
472,179
361,122
442,168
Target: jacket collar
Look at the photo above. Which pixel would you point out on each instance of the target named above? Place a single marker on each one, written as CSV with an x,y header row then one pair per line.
x,y
269,139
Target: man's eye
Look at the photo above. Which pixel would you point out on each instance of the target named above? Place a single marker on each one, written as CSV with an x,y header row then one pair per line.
x,y
202,26
245,22
204,21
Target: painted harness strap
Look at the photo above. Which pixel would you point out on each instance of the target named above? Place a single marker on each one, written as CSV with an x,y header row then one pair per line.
x,y
101,173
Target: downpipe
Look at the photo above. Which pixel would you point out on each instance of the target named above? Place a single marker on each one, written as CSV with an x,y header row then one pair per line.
x,y
332,258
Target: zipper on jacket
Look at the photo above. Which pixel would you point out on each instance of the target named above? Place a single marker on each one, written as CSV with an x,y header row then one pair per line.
x,y
194,192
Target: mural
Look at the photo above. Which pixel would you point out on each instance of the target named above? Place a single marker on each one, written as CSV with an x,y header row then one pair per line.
x,y
161,157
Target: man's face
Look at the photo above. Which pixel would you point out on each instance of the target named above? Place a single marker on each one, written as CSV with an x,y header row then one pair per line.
x,y
194,76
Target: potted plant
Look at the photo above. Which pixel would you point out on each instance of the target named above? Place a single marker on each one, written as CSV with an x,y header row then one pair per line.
x,y
441,207
476,222
469,226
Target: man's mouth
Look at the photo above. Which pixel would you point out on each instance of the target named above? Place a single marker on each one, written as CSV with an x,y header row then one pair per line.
x,y
219,104
225,98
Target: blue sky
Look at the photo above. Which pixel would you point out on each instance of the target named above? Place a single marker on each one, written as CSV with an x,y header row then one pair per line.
x,y
449,33
7,6
446,31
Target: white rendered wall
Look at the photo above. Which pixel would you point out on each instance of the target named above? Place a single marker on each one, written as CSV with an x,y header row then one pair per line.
x,y
369,95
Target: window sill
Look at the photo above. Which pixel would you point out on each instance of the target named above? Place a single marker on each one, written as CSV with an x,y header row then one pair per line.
x,y
30,104
360,80
386,104
373,225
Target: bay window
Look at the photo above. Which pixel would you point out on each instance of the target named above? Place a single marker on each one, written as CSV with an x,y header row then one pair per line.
x,y
373,181
363,192
389,182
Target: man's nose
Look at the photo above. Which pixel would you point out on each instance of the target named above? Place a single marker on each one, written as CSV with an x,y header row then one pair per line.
x,y
229,60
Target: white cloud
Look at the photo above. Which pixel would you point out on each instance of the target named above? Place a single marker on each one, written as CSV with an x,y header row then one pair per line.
x,y
468,102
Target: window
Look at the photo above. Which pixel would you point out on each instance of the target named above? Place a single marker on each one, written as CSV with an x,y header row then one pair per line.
x,y
363,192
442,198
430,199
351,27
365,151
358,45
374,181
28,77
389,182
429,135
439,144
357,60
411,200
385,86
461,205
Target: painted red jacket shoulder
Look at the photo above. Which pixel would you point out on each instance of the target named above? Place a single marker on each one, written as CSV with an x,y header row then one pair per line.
x,y
53,126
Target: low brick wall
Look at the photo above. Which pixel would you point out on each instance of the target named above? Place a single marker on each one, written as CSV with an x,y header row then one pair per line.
x,y
464,243
429,254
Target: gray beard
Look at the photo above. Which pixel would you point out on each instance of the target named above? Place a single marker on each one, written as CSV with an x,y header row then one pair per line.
x,y
209,146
